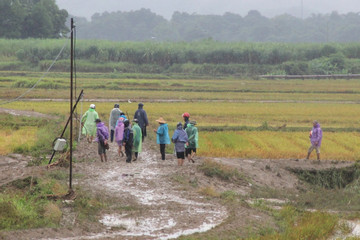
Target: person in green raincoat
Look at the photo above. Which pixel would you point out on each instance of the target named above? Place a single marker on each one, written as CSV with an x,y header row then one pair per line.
x,y
88,123
192,144
137,143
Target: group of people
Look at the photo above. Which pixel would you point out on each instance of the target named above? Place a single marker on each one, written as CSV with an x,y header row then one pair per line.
x,y
130,136
185,138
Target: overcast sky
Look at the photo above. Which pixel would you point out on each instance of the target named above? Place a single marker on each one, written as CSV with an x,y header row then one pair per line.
x,y
165,8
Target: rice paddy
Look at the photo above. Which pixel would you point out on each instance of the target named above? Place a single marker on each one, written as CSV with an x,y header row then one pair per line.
x,y
238,118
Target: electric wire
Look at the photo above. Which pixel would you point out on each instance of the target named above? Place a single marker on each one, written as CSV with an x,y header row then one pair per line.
x,y
40,79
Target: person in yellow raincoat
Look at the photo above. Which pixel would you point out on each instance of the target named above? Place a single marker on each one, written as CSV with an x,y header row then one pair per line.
x,y
88,123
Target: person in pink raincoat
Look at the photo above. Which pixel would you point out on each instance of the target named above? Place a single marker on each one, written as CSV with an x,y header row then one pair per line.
x,y
119,135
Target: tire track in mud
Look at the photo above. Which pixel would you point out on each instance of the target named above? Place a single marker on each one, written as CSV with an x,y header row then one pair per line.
x,y
167,212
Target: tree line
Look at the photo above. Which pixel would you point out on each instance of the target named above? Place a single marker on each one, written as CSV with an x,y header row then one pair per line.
x,y
143,25
43,19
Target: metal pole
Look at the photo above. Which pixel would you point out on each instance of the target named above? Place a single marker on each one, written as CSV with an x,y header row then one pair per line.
x,y
71,98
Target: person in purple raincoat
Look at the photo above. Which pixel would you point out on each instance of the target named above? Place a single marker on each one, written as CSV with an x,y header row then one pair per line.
x,y
119,135
315,139
102,136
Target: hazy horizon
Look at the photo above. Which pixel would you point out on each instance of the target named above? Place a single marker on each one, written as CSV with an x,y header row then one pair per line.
x,y
166,8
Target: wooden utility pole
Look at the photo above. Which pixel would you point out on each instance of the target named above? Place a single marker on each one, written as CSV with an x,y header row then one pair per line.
x,y
71,99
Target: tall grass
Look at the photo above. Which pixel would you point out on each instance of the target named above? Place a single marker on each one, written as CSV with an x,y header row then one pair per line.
x,y
298,225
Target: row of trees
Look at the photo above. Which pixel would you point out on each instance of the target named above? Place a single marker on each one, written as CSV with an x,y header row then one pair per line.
x,y
31,19
145,25
43,19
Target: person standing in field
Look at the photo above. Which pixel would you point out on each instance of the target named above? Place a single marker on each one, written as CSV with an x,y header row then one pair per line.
x,y
88,123
315,139
142,118
128,140
137,143
102,136
162,136
192,144
119,135
180,138
114,116
186,117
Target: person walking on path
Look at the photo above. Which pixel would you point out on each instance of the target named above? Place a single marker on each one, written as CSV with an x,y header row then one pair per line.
x,y
128,140
142,118
119,135
315,139
192,144
186,117
179,139
88,123
137,143
102,137
162,136
114,116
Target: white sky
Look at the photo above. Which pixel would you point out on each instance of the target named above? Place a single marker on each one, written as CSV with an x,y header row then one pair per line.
x,y
165,8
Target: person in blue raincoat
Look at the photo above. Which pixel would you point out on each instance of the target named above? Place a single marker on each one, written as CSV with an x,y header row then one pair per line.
x,y
179,139
162,136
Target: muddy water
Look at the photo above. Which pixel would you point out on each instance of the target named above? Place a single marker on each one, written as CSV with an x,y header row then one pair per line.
x,y
167,212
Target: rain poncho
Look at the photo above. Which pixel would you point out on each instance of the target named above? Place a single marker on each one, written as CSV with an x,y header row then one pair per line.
x,y
141,116
137,143
88,119
316,135
114,116
193,136
102,132
119,131
162,134
179,138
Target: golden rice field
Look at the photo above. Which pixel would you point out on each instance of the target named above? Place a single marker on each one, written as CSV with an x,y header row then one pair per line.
x,y
330,115
11,139
337,145
213,103
278,145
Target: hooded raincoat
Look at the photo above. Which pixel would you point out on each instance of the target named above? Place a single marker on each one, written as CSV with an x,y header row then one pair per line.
x,y
88,119
316,135
114,116
137,143
179,138
193,136
162,134
119,131
102,132
141,116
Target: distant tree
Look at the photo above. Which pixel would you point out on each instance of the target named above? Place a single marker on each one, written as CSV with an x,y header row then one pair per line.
x,y
31,18
12,15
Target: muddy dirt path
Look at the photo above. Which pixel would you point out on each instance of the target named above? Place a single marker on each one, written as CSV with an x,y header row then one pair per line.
x,y
26,113
188,100
167,210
